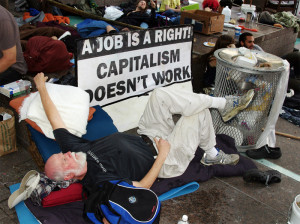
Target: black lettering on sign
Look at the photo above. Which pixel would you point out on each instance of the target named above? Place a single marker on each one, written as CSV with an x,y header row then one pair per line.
x,y
120,88
136,63
134,40
171,75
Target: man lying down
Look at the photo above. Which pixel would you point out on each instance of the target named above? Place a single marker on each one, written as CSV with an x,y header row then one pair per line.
x,y
163,149
131,158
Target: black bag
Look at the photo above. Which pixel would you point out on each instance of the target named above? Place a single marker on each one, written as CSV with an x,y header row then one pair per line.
x,y
122,203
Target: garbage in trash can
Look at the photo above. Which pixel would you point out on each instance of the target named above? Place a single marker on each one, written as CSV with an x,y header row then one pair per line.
x,y
233,78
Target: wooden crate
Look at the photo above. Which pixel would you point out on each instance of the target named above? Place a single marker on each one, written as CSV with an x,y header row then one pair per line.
x,y
204,22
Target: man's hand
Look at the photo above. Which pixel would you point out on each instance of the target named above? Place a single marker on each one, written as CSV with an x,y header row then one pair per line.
x,y
152,3
163,146
40,80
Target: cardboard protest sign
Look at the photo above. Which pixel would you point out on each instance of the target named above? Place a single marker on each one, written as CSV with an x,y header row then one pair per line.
x,y
115,67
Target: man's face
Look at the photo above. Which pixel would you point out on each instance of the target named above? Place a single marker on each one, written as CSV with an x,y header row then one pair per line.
x,y
142,5
249,42
71,161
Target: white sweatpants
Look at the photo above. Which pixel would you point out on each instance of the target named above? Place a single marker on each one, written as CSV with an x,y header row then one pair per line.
x,y
193,129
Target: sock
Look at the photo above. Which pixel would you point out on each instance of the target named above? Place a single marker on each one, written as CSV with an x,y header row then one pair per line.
x,y
212,153
218,103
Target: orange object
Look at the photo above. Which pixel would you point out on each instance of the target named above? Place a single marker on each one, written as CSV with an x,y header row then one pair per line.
x,y
49,17
61,19
26,15
244,28
278,25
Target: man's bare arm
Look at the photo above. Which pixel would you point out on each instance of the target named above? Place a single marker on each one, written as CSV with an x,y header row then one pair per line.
x,y
49,107
163,147
9,58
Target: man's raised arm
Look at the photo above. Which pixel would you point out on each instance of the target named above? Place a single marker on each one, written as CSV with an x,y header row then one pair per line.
x,y
49,107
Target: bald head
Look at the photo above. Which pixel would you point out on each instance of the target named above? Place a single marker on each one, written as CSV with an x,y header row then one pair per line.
x,y
54,169
66,166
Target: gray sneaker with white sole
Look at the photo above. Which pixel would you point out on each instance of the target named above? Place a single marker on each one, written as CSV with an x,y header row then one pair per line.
x,y
235,104
222,158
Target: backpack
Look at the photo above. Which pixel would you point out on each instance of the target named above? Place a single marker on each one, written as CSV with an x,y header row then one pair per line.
x,y
121,203
43,54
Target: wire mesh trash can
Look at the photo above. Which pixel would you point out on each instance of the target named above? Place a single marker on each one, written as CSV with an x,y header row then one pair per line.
x,y
231,79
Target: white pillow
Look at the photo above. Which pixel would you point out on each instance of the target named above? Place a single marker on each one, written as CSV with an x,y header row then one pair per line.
x,y
71,102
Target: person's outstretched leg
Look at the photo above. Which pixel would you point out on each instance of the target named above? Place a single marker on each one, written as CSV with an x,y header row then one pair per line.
x,y
157,120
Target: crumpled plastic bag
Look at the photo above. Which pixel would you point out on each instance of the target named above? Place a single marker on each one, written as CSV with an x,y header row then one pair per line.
x,y
247,58
112,13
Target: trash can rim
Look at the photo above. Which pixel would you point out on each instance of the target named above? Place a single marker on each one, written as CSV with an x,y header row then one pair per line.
x,y
234,52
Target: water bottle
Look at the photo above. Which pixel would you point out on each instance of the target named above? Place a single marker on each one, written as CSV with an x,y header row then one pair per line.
x,y
227,12
183,220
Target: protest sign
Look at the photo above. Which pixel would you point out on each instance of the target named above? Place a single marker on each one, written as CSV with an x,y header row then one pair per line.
x,y
115,67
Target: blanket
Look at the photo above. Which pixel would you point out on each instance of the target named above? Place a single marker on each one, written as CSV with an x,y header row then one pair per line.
x,y
200,173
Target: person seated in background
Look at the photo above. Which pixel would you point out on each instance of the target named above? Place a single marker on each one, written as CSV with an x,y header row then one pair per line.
x,y
223,4
139,15
210,5
246,40
171,9
207,72
12,63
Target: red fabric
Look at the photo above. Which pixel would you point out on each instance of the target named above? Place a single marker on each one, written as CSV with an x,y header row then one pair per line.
x,y
213,4
49,17
63,196
43,54
17,103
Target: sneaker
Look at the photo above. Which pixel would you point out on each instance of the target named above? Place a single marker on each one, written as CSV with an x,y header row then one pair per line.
x,y
221,158
265,152
235,104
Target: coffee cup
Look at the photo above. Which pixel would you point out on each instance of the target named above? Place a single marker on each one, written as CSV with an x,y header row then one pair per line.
x,y
237,31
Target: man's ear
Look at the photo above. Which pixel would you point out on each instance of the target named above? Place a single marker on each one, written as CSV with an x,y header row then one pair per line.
x,y
69,176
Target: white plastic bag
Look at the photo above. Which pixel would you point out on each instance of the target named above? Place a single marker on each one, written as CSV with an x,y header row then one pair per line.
x,y
112,13
247,59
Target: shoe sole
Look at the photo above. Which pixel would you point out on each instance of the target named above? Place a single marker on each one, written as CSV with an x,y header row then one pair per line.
x,y
210,164
264,177
236,110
